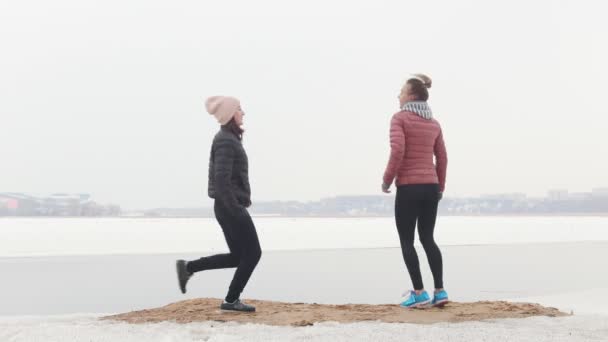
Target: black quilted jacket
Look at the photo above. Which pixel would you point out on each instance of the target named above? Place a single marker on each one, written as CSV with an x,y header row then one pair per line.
x,y
229,171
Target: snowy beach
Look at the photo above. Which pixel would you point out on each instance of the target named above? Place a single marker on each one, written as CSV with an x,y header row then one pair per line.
x,y
60,296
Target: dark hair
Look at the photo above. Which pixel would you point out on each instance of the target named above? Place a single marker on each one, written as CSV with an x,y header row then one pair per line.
x,y
419,89
232,127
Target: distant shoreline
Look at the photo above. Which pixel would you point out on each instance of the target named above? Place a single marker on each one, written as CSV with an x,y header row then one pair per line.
x,y
312,216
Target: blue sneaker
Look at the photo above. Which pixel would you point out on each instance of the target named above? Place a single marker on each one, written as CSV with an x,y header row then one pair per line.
x,y
440,299
416,301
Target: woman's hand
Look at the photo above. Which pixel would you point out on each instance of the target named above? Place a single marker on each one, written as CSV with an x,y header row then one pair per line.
x,y
385,188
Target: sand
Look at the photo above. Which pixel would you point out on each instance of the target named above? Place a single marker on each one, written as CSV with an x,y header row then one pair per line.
x,y
301,314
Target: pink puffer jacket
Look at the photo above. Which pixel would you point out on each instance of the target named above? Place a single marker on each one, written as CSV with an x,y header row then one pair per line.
x,y
414,142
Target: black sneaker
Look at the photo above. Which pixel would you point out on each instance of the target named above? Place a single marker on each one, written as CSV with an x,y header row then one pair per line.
x,y
237,306
182,274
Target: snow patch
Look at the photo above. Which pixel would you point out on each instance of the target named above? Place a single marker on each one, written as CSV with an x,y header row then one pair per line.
x,y
88,328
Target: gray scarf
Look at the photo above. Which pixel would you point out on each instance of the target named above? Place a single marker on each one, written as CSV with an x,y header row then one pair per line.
x,y
421,108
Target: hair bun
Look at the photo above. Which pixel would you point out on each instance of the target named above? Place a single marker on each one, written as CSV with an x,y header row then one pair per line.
x,y
426,81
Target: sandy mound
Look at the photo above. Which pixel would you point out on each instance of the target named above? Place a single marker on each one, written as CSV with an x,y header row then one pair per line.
x,y
300,314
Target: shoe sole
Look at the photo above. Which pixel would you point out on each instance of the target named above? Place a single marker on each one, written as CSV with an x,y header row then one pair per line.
x,y
233,310
441,303
421,305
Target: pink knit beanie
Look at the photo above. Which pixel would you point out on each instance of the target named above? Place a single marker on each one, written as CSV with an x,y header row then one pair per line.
x,y
222,107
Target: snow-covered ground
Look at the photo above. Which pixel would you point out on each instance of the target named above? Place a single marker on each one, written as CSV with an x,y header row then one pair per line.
x,y
87,328
589,323
521,259
584,302
104,236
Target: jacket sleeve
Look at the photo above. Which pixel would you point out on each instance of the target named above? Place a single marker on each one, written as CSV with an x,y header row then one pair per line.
x,y
224,156
441,157
397,137
247,189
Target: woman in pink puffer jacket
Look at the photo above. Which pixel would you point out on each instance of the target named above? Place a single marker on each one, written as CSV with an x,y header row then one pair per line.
x,y
415,139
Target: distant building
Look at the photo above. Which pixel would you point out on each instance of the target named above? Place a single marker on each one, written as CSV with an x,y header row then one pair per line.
x,y
516,196
59,204
599,193
579,196
62,204
557,195
8,205
14,203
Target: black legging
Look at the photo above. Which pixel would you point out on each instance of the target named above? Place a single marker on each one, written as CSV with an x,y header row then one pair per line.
x,y
244,246
418,202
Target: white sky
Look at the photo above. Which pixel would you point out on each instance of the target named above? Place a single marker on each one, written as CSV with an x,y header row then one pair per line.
x,y
106,97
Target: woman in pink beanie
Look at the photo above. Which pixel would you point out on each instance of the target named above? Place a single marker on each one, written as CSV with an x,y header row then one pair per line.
x,y
229,187
416,138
